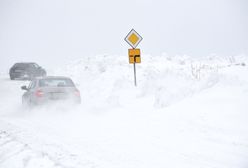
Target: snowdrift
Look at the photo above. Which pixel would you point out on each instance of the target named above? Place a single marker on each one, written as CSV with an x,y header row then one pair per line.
x,y
106,80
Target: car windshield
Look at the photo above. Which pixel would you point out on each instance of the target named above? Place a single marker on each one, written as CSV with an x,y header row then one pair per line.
x,y
56,82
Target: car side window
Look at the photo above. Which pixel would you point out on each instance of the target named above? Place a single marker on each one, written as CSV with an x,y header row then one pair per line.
x,y
36,66
32,84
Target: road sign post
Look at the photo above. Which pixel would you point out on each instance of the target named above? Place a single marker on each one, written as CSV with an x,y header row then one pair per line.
x,y
133,39
134,70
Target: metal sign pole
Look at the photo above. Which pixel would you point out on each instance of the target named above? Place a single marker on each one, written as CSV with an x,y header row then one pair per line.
x,y
134,68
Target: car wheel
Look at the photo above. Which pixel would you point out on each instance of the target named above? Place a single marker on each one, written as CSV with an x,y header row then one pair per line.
x,y
77,101
12,78
26,103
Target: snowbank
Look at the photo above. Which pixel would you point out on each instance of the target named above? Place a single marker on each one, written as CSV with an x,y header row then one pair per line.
x,y
106,80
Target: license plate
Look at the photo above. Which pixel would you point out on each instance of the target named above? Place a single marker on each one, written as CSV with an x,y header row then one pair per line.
x,y
56,96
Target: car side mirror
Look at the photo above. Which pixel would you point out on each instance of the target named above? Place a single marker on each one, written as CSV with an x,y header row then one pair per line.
x,y
24,88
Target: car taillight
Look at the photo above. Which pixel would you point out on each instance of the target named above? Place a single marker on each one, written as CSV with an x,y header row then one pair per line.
x,y
39,93
77,93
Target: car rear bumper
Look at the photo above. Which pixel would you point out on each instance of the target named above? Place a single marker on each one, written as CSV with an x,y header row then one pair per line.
x,y
46,100
15,75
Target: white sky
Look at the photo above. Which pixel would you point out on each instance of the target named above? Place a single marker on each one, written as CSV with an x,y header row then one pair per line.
x,y
58,31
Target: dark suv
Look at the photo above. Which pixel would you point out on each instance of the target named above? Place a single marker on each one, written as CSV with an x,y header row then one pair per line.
x,y
26,71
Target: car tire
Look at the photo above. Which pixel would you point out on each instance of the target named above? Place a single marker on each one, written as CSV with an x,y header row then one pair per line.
x,y
12,78
26,103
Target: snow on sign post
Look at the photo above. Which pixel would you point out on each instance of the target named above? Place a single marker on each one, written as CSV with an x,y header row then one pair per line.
x,y
133,39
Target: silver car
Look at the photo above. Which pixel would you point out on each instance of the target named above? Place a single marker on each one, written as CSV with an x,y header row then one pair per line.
x,y
50,89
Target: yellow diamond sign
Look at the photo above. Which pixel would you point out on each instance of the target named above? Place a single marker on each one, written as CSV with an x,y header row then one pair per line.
x,y
133,38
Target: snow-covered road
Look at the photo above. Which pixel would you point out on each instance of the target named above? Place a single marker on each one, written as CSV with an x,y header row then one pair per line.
x,y
207,128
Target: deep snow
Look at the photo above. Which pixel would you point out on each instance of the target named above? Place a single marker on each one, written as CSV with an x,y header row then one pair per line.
x,y
184,113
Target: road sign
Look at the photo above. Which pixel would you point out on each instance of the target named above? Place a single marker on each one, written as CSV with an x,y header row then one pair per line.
x,y
133,38
134,56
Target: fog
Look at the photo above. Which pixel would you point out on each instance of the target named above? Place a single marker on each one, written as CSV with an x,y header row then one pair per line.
x,y
54,32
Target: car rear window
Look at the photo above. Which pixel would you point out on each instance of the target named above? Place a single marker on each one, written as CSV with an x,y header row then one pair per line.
x,y
57,82
22,65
